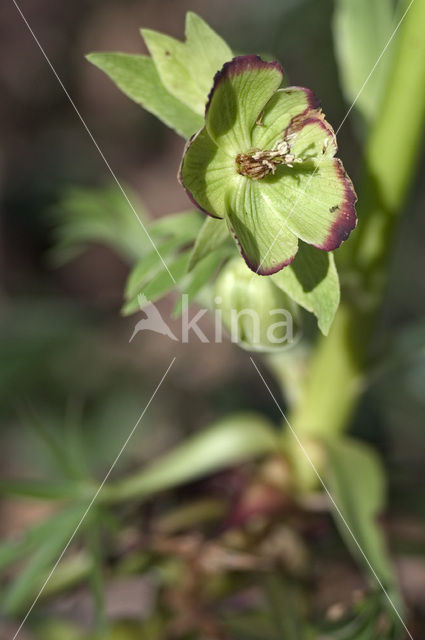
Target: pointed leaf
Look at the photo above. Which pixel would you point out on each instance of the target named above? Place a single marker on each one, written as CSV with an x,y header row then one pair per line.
x,y
207,51
211,236
187,69
138,78
312,281
160,285
194,281
357,483
17,548
230,441
83,216
150,265
169,57
25,587
42,489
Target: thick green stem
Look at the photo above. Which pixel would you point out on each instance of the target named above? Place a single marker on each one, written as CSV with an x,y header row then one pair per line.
x,y
340,360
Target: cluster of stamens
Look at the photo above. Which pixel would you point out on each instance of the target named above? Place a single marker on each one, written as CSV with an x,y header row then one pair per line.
x,y
259,164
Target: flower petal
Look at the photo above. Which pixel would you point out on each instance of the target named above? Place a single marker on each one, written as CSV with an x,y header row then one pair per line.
x,y
312,137
282,107
240,91
256,227
316,202
206,173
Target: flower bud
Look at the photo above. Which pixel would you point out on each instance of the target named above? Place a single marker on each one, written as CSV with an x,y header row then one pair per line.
x,y
257,314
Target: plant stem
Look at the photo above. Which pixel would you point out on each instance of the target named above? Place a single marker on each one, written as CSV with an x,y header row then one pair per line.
x,y
340,361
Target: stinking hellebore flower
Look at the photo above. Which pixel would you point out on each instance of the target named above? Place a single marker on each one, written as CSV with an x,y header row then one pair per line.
x,y
264,162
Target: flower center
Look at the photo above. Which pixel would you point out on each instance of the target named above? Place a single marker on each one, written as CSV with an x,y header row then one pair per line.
x,y
259,164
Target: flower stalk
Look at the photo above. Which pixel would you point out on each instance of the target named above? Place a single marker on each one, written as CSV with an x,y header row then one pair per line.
x,y
340,361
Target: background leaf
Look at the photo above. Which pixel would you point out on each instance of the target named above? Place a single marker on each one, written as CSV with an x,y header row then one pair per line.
x,y
361,30
23,589
232,440
357,483
138,78
184,224
103,216
194,281
160,284
211,236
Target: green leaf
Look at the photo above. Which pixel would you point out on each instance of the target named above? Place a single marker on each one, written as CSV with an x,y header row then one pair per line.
x,y
72,571
26,585
179,230
312,281
138,78
58,449
187,69
356,481
83,216
361,30
184,224
43,490
149,266
160,284
230,441
13,550
211,236
206,52
194,281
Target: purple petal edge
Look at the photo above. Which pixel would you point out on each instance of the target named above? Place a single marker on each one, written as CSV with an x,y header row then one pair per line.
x,y
255,267
347,219
312,100
180,178
237,66
307,117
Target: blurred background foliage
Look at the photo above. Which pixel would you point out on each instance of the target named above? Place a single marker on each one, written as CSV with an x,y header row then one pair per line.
x,y
250,561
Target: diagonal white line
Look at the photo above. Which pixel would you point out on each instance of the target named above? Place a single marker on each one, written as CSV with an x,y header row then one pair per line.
x,y
113,174
337,131
92,501
338,510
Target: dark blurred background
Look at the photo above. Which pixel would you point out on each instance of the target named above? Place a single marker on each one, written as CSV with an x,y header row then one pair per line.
x,y
64,352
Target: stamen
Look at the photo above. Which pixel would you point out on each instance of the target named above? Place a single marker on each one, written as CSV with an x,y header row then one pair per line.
x,y
258,164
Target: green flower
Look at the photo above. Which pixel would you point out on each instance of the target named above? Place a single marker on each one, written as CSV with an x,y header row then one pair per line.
x,y
264,162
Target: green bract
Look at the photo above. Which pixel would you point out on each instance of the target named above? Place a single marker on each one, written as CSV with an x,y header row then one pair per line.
x,y
174,83
264,162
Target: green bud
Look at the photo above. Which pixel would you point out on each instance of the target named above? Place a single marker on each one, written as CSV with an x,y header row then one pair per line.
x,y
258,315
